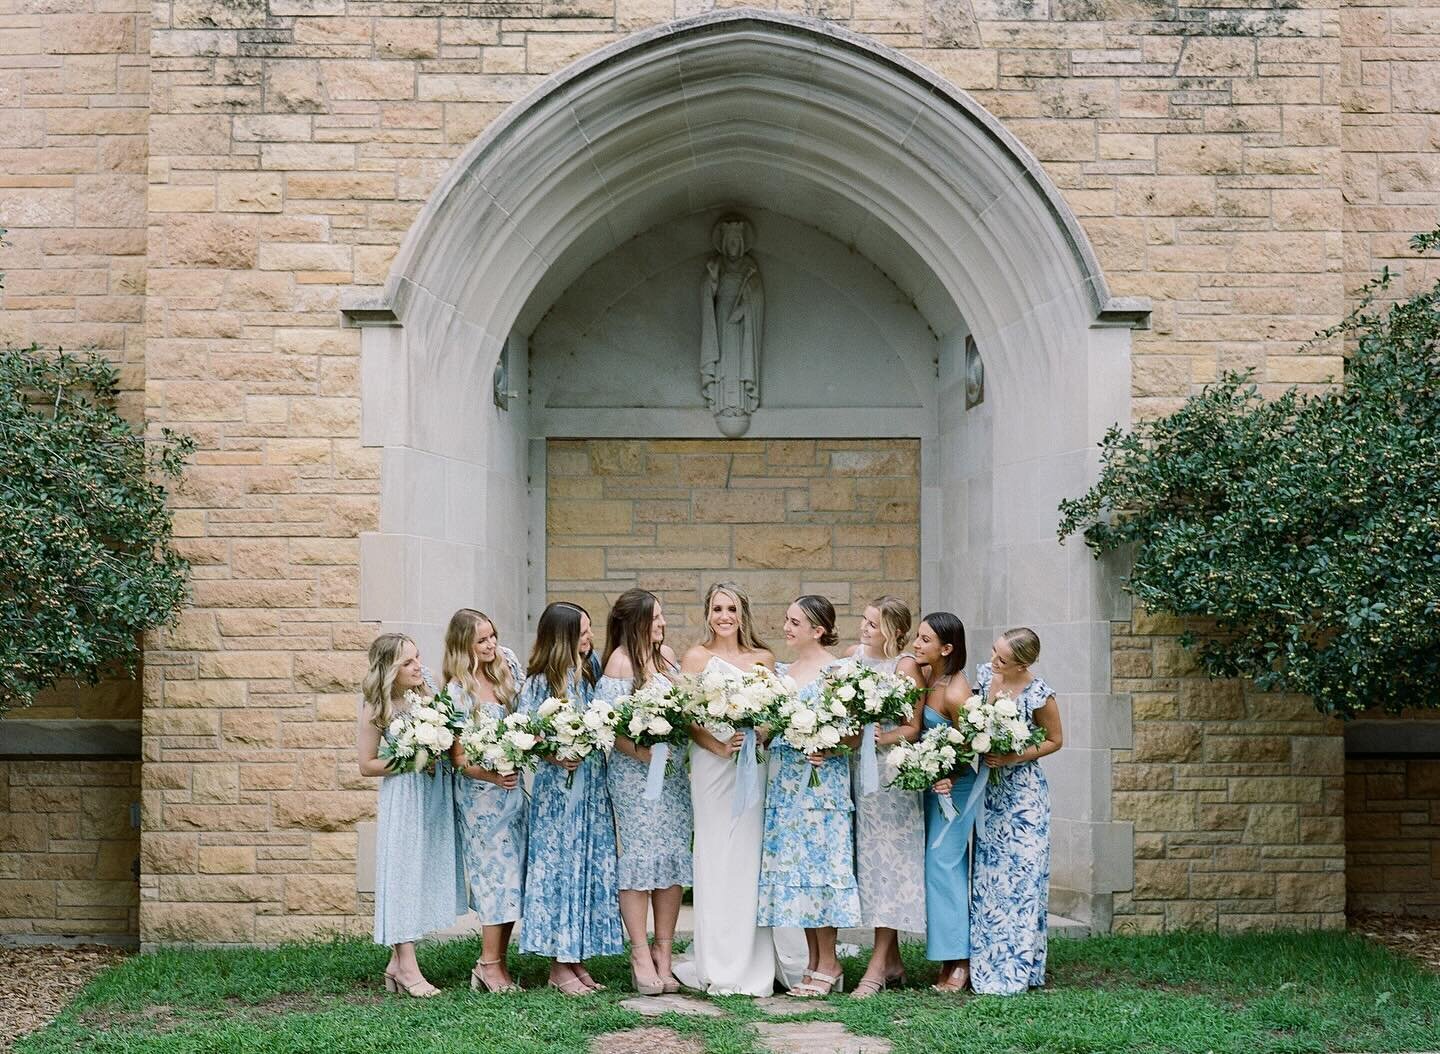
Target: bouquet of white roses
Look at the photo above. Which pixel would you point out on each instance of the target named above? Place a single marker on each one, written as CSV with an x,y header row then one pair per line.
x,y
504,745
994,726
869,695
920,765
421,734
571,733
656,717
813,726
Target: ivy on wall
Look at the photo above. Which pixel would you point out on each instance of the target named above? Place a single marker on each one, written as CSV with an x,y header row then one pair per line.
x,y
1304,529
86,564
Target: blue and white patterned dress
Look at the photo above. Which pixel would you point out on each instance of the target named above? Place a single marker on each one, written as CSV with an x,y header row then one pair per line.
x,y
419,878
492,828
571,902
654,835
1010,896
807,863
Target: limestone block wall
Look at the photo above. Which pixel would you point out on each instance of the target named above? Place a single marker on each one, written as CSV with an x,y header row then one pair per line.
x,y
1392,835
778,517
1237,797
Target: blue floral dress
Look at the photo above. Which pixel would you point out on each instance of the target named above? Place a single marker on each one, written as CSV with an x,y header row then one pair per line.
x,y
571,902
654,835
492,828
807,863
1011,892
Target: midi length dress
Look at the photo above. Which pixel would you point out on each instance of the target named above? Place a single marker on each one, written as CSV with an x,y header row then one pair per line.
x,y
571,901
1010,899
807,870
419,875
493,824
654,835
889,843
947,866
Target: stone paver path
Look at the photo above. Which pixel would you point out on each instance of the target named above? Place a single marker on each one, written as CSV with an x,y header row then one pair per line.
x,y
780,1006
817,1037
655,1005
647,1041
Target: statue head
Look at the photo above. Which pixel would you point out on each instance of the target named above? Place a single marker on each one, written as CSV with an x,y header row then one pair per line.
x,y
732,236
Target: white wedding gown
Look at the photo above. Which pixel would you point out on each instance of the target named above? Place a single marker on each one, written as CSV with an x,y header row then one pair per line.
x,y
730,955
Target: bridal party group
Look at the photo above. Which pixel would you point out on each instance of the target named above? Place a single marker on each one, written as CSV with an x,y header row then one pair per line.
x,y
781,845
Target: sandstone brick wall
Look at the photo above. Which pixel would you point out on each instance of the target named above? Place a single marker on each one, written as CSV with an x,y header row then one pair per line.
x,y
1392,835
1237,797
778,517
68,850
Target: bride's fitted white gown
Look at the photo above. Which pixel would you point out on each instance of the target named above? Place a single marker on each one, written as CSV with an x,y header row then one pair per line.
x,y
730,954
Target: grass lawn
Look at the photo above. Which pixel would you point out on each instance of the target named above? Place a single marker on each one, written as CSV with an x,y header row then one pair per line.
x,y
1184,992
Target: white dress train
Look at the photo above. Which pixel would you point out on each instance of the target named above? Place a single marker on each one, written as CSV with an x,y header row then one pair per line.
x,y
730,955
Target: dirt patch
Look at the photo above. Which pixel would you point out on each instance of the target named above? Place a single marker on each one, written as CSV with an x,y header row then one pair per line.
x,y
1417,938
36,983
646,1041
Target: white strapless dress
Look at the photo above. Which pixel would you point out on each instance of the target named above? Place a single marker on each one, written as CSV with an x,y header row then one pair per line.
x,y
730,955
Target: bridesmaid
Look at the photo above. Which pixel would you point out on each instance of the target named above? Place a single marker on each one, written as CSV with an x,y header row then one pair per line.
x,y
654,836
1012,841
890,823
419,883
730,954
480,673
807,872
940,646
570,880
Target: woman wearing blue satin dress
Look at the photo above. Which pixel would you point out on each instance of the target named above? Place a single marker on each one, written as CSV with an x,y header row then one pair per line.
x,y
940,646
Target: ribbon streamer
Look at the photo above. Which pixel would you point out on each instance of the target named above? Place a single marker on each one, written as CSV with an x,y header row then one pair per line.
x,y
969,813
655,777
576,791
869,764
747,778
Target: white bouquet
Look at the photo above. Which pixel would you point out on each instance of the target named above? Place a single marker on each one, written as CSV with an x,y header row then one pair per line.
x,y
995,726
416,738
572,733
813,726
920,765
504,745
870,696
653,715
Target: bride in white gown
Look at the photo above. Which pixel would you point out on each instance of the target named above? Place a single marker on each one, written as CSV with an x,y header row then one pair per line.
x,y
730,954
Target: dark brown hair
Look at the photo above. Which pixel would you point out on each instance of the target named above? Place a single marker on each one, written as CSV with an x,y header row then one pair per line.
x,y
628,627
821,614
949,630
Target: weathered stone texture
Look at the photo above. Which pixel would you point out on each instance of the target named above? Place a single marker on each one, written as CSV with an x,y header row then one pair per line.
x,y
1392,835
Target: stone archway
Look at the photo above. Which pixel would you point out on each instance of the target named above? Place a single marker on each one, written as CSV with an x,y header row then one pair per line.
x,y
875,152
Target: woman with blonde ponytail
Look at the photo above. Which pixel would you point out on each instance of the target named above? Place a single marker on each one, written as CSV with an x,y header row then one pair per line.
x,y
419,883
480,673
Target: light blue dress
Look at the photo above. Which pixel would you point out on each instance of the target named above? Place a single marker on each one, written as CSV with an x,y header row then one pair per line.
x,y
492,828
1011,895
807,862
571,903
419,878
654,835
947,867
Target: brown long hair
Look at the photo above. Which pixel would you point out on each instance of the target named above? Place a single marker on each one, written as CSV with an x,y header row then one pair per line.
x,y
378,688
461,666
746,637
556,654
628,627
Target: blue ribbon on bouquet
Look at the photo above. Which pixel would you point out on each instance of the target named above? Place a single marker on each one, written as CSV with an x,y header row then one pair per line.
x,y
869,764
513,798
969,813
747,777
655,776
576,791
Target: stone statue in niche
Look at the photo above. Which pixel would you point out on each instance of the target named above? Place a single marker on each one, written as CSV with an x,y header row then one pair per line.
x,y
732,325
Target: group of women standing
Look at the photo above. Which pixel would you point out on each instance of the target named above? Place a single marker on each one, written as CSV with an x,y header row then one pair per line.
x,y
775,870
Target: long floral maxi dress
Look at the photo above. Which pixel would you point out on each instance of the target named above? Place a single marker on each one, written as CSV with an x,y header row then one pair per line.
x,y
419,877
492,829
654,835
807,863
889,844
1010,895
571,902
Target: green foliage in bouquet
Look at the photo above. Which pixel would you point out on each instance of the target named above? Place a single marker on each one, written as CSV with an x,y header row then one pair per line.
x,y
1304,528
86,565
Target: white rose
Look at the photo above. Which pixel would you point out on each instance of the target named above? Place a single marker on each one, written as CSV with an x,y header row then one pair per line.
x,y
838,709
981,743
1006,707
975,718
548,707
397,726
830,736
900,753
1019,731
428,713
868,685
516,720
593,720
803,721
427,736
846,692
716,708
522,740
660,727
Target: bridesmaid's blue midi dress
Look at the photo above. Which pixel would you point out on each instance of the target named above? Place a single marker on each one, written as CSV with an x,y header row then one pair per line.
x,y
571,906
947,867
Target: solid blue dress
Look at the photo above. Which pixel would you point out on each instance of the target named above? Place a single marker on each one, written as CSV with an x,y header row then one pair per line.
x,y
571,903
1011,894
807,863
947,867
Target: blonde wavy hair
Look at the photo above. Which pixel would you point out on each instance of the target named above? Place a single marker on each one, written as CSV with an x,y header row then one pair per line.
x,y
461,666
747,637
895,621
1024,644
378,688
